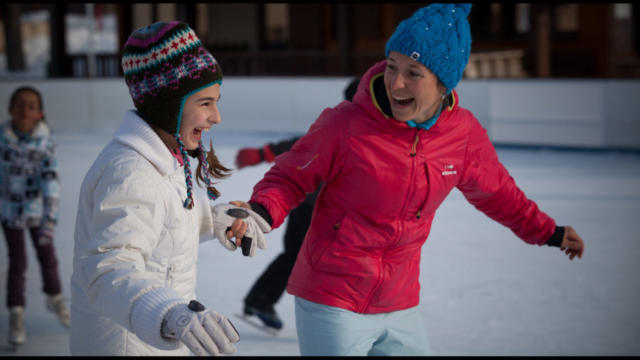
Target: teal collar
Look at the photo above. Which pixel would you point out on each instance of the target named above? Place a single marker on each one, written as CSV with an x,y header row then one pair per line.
x,y
429,123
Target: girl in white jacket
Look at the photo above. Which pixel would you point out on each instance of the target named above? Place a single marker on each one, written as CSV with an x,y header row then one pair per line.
x,y
139,223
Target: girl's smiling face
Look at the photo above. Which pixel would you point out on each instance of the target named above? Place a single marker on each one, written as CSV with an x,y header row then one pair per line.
x,y
25,111
199,113
413,90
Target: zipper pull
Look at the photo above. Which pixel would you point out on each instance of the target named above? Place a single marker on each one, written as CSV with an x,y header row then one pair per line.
x,y
418,214
414,147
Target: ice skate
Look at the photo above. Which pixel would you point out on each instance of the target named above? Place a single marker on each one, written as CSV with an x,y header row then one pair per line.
x,y
267,321
17,334
56,304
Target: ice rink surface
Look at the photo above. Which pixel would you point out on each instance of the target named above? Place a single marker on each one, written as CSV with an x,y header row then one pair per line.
x,y
484,291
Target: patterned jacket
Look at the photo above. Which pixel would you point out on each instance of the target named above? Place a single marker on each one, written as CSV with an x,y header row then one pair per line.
x,y
29,184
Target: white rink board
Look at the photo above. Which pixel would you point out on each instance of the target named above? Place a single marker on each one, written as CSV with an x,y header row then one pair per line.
x,y
573,113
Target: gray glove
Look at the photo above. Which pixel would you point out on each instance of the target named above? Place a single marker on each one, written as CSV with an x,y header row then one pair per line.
x,y
204,332
225,214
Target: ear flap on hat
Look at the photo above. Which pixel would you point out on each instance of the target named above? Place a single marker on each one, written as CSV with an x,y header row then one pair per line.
x,y
163,114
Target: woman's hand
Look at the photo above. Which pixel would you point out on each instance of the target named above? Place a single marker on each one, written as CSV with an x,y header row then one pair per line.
x,y
241,229
237,230
572,243
240,203
238,220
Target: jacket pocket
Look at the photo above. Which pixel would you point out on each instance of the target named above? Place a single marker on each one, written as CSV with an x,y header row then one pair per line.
x,y
318,247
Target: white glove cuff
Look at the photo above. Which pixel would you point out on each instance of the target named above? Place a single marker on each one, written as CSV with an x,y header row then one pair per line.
x,y
264,225
147,314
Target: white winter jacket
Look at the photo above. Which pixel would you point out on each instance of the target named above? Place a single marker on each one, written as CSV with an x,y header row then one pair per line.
x,y
136,247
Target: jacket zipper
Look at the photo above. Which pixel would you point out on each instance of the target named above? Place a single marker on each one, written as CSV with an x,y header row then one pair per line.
x,y
378,282
414,147
169,277
426,199
412,153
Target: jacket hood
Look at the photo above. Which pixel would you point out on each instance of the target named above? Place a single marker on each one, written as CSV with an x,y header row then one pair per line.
x,y
366,97
137,134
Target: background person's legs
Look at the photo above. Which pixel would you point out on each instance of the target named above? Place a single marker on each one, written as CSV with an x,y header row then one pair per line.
x,y
17,266
45,251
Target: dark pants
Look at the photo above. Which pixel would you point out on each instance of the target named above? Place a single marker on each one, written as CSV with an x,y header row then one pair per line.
x,y
270,286
18,265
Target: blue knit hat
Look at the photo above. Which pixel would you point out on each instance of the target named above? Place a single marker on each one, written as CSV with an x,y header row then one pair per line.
x,y
437,36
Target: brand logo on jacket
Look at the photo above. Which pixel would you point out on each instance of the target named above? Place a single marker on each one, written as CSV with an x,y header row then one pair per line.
x,y
449,169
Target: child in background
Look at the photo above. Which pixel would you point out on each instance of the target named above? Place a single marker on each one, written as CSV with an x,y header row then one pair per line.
x,y
29,196
139,220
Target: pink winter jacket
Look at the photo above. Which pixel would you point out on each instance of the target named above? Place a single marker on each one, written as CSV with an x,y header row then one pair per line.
x,y
383,182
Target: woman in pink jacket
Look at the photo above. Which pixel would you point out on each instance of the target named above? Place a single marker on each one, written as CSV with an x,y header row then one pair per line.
x,y
388,159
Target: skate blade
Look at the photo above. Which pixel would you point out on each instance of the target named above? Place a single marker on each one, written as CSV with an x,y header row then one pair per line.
x,y
251,320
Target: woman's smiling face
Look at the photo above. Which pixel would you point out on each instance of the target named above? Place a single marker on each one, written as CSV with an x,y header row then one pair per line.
x,y
413,90
199,113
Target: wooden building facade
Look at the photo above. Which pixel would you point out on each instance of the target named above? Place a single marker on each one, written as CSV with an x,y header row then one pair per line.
x,y
541,40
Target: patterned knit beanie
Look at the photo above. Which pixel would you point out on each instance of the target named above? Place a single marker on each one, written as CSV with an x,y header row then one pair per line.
x,y
165,63
437,36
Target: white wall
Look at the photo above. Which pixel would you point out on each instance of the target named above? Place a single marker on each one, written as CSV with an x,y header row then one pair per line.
x,y
573,113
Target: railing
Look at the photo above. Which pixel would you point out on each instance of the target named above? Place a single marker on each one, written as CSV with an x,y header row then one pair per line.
x,y
495,64
106,65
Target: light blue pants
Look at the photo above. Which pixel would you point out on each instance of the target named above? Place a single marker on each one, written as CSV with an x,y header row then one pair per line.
x,y
331,331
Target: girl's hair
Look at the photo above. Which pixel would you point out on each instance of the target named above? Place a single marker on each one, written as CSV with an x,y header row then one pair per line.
x,y
15,93
214,168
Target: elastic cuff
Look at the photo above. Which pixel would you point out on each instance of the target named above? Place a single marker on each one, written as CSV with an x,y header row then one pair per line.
x,y
260,210
267,154
556,238
147,314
